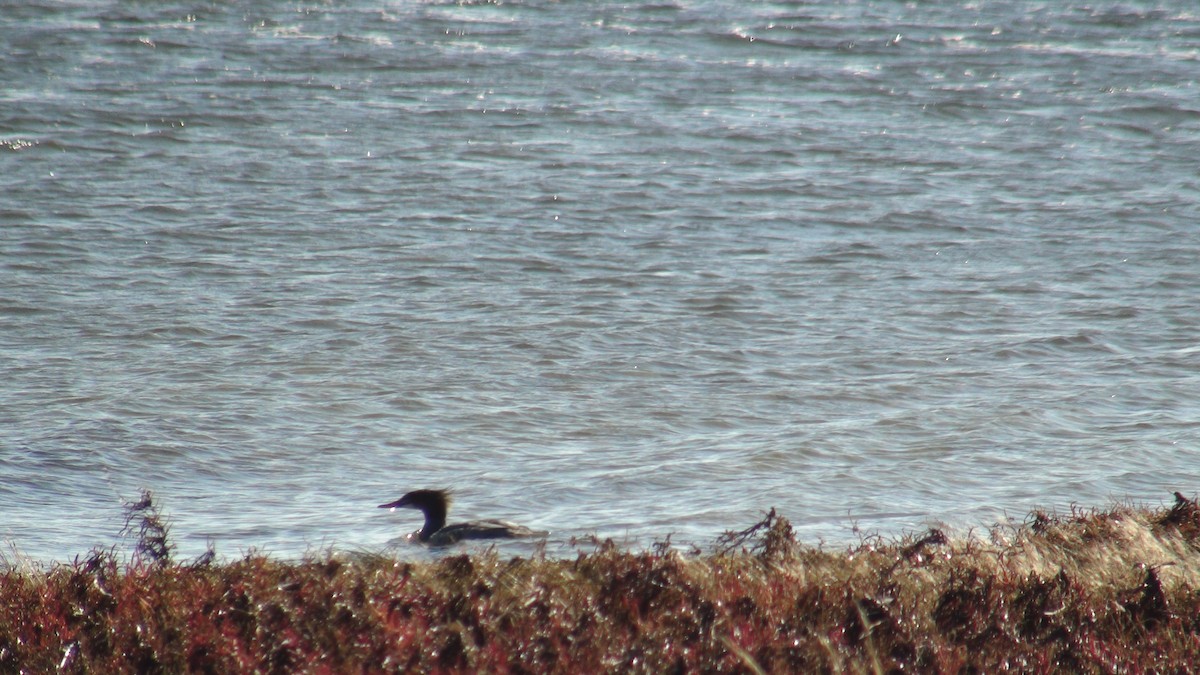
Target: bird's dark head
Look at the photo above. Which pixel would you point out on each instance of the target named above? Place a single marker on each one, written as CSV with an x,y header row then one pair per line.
x,y
421,499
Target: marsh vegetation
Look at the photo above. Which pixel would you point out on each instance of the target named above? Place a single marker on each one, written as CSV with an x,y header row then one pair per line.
x,y
1088,591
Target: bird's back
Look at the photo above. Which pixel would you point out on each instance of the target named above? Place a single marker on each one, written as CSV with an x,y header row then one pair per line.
x,y
481,529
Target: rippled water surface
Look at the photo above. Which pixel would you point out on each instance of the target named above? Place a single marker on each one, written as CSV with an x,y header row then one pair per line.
x,y
614,268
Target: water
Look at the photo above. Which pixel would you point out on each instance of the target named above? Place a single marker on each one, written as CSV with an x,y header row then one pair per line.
x,y
632,270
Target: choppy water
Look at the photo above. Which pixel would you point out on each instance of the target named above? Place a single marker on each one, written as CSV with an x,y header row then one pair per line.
x,y
630,269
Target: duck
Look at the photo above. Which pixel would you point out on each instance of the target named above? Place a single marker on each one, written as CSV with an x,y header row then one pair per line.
x,y
435,504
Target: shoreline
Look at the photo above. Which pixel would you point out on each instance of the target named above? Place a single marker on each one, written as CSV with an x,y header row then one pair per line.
x,y
1093,590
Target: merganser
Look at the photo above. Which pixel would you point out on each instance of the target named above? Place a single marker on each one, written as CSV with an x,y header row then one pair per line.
x,y
435,503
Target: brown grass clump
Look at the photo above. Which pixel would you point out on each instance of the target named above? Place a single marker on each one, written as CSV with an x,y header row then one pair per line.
x,y
1112,591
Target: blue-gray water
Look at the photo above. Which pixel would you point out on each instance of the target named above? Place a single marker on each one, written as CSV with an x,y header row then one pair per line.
x,y
631,269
